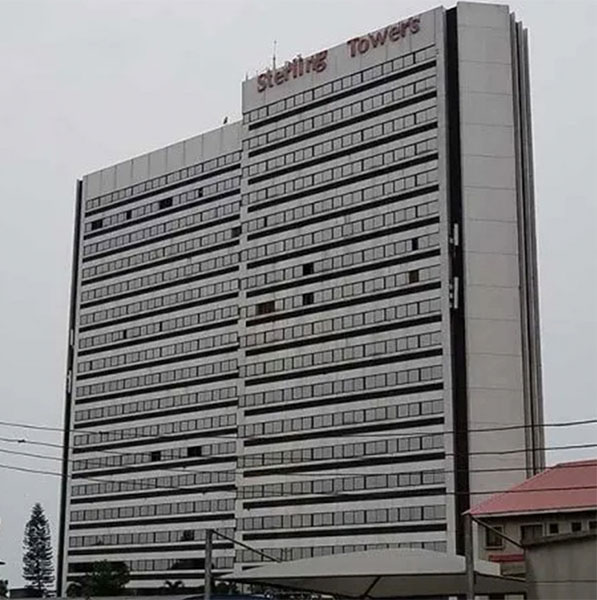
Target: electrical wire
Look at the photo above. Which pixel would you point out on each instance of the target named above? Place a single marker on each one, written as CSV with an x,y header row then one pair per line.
x,y
233,437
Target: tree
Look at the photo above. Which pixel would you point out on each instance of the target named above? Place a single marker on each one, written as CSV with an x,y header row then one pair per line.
x,y
3,588
106,579
173,587
37,559
224,588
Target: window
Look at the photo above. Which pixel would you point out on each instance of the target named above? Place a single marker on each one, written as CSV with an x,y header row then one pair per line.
x,y
165,203
236,231
129,215
554,528
413,276
193,451
308,298
97,224
156,455
592,524
575,526
187,535
308,269
264,308
530,532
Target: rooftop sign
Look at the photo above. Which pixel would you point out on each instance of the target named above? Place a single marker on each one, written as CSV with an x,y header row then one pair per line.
x,y
318,62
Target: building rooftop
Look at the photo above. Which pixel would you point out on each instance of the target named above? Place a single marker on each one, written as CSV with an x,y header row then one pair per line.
x,y
565,486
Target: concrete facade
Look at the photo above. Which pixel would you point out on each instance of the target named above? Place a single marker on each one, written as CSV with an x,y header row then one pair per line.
x,y
291,329
562,567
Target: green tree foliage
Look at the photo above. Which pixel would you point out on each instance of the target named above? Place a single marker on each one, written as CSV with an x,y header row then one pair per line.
x,y
106,579
37,557
224,588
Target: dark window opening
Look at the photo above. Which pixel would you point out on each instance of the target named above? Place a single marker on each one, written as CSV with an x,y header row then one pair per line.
x,y
530,532
129,215
413,276
592,524
188,535
156,455
492,539
308,269
308,298
264,308
415,244
554,528
193,451
165,203
97,224
576,526
236,231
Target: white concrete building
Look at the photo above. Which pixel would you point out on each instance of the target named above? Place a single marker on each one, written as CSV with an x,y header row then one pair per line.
x,y
292,329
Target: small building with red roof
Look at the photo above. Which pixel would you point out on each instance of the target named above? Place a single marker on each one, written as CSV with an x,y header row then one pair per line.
x,y
557,503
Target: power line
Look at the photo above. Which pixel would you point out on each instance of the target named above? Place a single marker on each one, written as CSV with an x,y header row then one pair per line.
x,y
238,470
470,430
232,437
327,495
386,435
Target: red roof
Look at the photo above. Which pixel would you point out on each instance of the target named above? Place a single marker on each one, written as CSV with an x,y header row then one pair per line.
x,y
566,486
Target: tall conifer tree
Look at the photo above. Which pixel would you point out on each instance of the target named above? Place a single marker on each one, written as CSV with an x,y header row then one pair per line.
x,y
37,557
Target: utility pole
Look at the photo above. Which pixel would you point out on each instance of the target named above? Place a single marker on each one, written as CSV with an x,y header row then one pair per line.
x,y
209,538
469,555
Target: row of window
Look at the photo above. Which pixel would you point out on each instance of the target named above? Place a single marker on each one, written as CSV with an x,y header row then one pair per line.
x,y
298,552
164,228
341,84
413,178
338,419
338,485
337,174
154,404
374,516
350,228
160,302
336,115
157,430
153,510
339,292
199,344
159,378
339,355
377,316
170,252
147,484
141,458
170,276
343,261
348,140
158,182
156,206
144,537
343,386
160,327
161,564
412,443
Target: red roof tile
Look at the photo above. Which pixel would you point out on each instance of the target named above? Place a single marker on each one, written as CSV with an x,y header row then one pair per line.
x,y
566,486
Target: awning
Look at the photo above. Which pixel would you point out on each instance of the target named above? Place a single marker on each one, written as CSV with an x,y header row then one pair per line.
x,y
393,573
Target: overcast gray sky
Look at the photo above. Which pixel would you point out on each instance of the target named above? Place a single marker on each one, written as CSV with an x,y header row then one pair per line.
x,y
84,84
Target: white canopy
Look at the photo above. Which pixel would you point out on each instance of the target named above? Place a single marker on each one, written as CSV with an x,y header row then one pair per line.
x,y
393,573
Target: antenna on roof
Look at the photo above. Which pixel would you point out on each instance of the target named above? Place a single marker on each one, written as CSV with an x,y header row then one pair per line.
x,y
274,56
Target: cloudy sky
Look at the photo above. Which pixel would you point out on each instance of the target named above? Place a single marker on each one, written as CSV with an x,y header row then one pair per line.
x,y
84,84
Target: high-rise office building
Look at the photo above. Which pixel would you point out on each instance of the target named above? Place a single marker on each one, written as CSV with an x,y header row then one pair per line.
x,y
294,329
